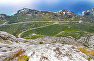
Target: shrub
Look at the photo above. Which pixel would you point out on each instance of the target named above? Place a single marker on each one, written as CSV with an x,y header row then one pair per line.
x,y
23,58
89,58
4,50
20,52
41,43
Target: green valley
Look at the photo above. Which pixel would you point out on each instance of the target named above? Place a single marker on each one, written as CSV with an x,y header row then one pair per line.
x,y
61,30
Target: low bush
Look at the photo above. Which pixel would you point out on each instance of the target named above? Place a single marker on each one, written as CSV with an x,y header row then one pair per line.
x,y
23,58
4,50
40,42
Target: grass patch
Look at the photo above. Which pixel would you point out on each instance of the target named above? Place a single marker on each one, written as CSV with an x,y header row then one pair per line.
x,y
87,52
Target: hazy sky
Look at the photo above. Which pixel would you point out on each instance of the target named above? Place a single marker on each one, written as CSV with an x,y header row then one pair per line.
x,y
76,6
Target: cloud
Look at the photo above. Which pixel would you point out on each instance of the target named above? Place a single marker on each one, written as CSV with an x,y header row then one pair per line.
x,y
13,1
17,3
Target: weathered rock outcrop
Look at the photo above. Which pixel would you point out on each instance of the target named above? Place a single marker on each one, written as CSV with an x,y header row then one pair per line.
x,y
27,50
55,52
47,52
66,12
87,41
4,36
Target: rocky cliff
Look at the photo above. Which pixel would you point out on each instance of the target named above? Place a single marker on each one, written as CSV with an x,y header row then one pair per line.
x,y
13,49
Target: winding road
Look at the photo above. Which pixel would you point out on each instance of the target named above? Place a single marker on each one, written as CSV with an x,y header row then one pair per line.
x,y
40,21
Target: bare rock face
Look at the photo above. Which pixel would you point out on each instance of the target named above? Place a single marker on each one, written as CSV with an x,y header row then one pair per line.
x,y
91,41
46,52
88,41
55,52
19,50
7,36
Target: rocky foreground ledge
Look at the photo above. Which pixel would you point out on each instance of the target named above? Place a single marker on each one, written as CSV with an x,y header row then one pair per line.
x,y
13,49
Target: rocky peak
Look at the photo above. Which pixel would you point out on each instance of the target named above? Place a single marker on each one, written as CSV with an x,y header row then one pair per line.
x,y
24,10
65,12
88,12
28,11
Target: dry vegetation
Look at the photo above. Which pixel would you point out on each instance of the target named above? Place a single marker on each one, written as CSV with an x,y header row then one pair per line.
x,y
16,54
4,50
86,51
23,58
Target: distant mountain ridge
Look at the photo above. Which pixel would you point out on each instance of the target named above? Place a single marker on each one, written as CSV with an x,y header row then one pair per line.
x,y
63,11
33,11
27,14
